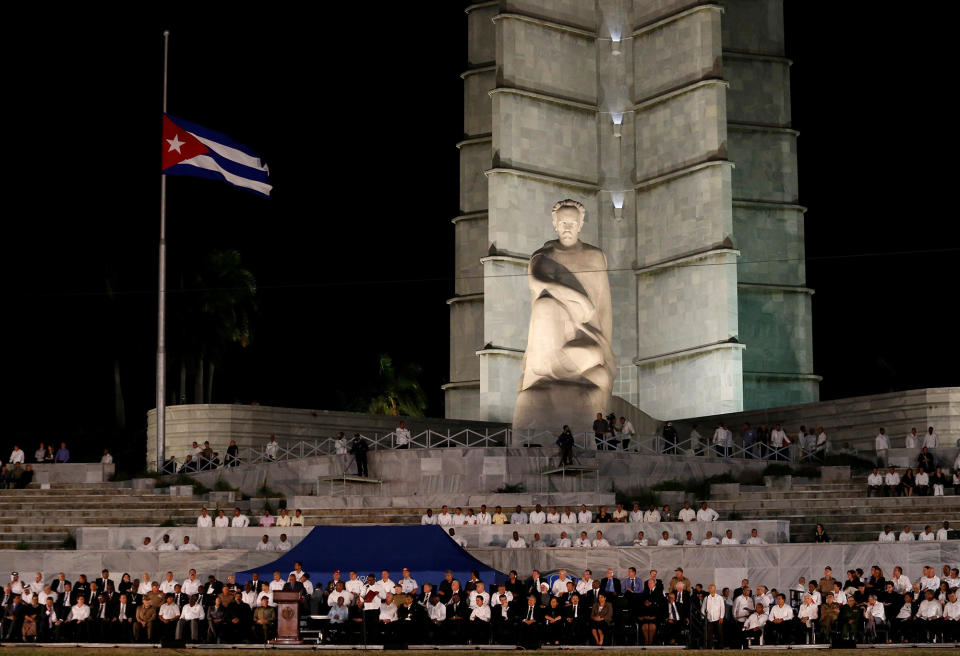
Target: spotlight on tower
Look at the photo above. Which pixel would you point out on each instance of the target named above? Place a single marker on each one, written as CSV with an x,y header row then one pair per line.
x,y
617,122
615,43
617,198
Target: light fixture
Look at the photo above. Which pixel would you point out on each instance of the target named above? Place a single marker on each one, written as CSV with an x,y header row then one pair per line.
x,y
617,122
617,198
615,44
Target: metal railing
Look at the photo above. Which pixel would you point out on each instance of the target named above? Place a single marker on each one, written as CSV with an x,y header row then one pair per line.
x,y
506,437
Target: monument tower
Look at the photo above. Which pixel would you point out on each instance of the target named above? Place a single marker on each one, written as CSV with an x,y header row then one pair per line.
x,y
669,120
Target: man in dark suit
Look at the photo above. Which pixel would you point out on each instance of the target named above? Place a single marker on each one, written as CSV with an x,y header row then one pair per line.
x,y
445,589
575,620
58,584
532,584
238,620
610,587
122,615
211,591
81,587
503,621
675,619
49,622
411,619
104,580
12,619
530,621
180,598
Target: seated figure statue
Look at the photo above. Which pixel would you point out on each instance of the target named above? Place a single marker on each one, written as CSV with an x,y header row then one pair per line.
x,y
568,366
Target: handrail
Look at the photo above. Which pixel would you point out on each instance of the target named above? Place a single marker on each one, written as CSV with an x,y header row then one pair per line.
x,y
505,438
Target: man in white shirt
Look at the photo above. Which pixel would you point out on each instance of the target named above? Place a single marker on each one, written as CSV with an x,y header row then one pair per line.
x,y
921,483
901,583
403,436
912,440
221,521
340,444
882,446
714,609
553,517
516,542
640,541
666,540
873,613
340,591
265,545
687,514
688,540
538,516
190,616
652,514
951,618
458,519
277,583
778,441
560,584
928,535
756,539
874,483
636,515
146,546
168,584
483,517
568,517
763,597
710,540
892,481
479,593
384,585
519,517
187,545
929,613
284,543
538,542
906,535
17,456
564,541
930,580
191,584
943,533
627,431
272,448
444,518
584,516
887,535
204,520
780,622
582,541
729,539
239,519
428,518
585,584
600,541
809,611
754,625
456,538
166,544
930,440
743,605
707,514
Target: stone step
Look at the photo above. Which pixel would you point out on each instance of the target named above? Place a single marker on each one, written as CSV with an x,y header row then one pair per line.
x,y
865,502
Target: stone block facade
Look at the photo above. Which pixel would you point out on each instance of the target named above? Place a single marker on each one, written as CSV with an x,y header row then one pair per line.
x,y
670,121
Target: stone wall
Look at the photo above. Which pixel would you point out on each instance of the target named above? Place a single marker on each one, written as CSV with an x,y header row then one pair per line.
x,y
775,566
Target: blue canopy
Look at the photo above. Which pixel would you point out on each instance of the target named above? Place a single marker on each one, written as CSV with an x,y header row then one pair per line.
x,y
427,550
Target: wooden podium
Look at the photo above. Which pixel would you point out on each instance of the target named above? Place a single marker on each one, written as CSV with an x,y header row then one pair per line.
x,y
288,617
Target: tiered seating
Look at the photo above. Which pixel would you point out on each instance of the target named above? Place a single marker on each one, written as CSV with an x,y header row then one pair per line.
x,y
42,519
843,508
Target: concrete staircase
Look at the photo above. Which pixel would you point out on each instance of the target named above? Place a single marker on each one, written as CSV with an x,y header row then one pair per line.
x,y
843,508
43,519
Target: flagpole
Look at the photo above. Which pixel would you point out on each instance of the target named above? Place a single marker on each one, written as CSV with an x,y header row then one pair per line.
x,y
162,294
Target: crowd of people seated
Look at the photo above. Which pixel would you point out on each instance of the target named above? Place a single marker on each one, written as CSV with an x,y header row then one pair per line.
x,y
538,610
141,609
583,515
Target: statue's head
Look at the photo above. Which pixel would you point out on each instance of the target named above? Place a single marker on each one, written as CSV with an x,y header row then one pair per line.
x,y
568,220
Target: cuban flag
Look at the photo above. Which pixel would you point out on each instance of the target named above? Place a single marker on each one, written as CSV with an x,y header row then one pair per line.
x,y
189,149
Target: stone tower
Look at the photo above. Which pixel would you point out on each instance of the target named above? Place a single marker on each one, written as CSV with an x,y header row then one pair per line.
x,y
670,121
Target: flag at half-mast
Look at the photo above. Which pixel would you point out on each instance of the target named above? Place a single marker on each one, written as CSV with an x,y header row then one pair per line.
x,y
189,149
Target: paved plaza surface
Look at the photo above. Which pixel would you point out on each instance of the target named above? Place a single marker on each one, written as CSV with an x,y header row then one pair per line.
x,y
252,650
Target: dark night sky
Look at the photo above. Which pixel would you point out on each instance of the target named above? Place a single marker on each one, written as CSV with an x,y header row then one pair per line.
x,y
357,116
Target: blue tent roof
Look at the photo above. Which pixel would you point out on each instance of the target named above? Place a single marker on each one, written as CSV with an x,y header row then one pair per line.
x,y
427,550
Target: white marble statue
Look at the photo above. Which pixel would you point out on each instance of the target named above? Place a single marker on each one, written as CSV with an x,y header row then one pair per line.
x,y
568,366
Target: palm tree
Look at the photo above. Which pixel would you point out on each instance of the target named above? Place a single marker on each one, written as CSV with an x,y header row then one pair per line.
x,y
215,312
398,392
